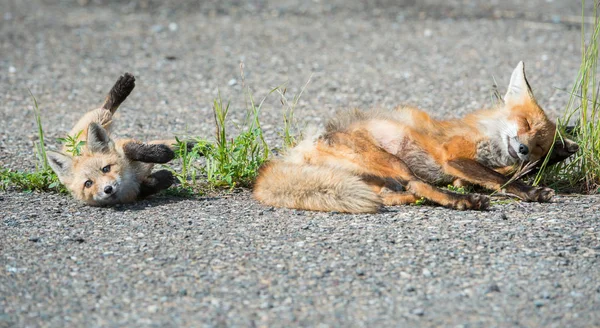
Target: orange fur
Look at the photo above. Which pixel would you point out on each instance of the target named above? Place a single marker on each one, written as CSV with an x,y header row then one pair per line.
x,y
124,174
348,167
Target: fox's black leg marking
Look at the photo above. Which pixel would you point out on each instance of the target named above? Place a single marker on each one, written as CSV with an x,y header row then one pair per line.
x,y
156,182
119,92
157,153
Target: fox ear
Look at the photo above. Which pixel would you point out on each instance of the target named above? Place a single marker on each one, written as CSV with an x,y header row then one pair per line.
x,y
61,164
518,88
98,140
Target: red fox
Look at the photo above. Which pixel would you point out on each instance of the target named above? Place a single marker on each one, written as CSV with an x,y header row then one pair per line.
x,y
364,160
110,171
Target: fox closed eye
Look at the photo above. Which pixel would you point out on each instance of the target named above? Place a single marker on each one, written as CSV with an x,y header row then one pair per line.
x,y
526,124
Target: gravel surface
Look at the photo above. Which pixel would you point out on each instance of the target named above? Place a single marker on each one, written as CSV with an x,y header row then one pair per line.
x,y
228,261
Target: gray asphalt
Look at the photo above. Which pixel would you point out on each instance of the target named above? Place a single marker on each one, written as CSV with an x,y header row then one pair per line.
x,y
228,261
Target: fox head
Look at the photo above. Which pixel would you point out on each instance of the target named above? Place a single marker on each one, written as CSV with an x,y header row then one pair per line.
x,y
526,132
101,175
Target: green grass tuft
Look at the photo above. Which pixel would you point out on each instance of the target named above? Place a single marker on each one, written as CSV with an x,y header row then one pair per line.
x,y
40,146
43,178
228,162
290,132
581,173
73,144
39,180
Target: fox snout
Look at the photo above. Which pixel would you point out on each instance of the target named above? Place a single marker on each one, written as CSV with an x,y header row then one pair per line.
x,y
107,191
517,149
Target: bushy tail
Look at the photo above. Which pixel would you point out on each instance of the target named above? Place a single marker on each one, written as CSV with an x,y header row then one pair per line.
x,y
119,92
309,187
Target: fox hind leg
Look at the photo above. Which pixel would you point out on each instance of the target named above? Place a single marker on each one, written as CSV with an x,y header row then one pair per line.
x,y
358,152
119,92
389,191
417,189
398,198
448,198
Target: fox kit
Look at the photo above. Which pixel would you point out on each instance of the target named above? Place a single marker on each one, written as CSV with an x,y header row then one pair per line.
x,y
108,171
364,160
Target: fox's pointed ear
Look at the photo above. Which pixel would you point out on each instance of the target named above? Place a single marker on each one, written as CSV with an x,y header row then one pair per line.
x,y
518,89
61,164
98,140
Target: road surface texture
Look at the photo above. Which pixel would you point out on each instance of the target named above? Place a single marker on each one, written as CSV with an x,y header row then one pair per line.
x,y
228,261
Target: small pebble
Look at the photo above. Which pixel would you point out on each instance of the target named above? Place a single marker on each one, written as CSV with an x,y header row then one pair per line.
x,y
156,28
493,288
418,311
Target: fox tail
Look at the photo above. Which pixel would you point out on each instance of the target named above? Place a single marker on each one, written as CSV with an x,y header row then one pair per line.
x,y
309,187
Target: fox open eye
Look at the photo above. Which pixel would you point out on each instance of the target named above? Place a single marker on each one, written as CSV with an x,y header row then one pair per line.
x,y
88,183
106,169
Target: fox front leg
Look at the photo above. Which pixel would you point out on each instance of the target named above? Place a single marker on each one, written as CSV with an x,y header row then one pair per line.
x,y
475,172
156,182
148,153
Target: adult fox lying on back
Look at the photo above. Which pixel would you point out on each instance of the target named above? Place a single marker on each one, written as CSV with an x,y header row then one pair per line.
x,y
364,159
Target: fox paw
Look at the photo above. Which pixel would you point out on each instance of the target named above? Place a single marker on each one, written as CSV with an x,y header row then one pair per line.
x,y
156,182
472,202
163,179
540,194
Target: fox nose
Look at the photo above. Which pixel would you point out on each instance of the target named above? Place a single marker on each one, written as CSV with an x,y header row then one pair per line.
x,y
108,190
523,150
